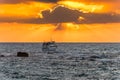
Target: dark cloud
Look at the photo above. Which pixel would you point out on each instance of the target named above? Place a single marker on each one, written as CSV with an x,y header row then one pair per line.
x,y
62,14
94,0
22,1
12,1
90,18
50,1
54,1
22,20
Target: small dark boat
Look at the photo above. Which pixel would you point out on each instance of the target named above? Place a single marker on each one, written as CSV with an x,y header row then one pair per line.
x,y
49,47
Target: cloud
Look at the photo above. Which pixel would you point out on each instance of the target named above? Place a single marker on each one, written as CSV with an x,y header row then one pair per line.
x,y
22,1
49,1
55,1
93,0
61,14
21,20
12,1
90,18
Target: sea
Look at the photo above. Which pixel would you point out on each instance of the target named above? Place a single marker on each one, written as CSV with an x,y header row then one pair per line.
x,y
71,61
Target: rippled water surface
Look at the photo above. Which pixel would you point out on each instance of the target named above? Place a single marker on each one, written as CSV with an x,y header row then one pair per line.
x,y
73,61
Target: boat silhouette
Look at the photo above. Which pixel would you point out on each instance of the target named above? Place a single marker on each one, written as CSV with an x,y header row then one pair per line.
x,y
49,47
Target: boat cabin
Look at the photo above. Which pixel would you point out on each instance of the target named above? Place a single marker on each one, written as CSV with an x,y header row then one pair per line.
x,y
49,47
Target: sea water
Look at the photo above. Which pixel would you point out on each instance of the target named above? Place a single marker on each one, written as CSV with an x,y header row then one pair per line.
x,y
72,61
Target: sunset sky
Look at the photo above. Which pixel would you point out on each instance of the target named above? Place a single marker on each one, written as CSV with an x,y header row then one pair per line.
x,y
61,20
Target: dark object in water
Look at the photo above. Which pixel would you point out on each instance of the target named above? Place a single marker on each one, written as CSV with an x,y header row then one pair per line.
x,y
92,59
81,75
22,54
94,56
49,47
2,56
82,58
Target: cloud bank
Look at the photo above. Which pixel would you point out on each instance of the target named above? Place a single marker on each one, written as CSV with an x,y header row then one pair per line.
x,y
11,1
61,14
22,1
55,1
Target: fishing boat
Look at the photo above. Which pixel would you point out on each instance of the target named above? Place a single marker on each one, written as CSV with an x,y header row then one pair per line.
x,y
49,47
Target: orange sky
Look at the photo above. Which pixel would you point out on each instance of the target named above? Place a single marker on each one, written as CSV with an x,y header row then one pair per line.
x,y
11,30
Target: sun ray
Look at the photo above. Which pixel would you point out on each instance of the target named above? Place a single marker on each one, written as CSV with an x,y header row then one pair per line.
x,y
82,6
